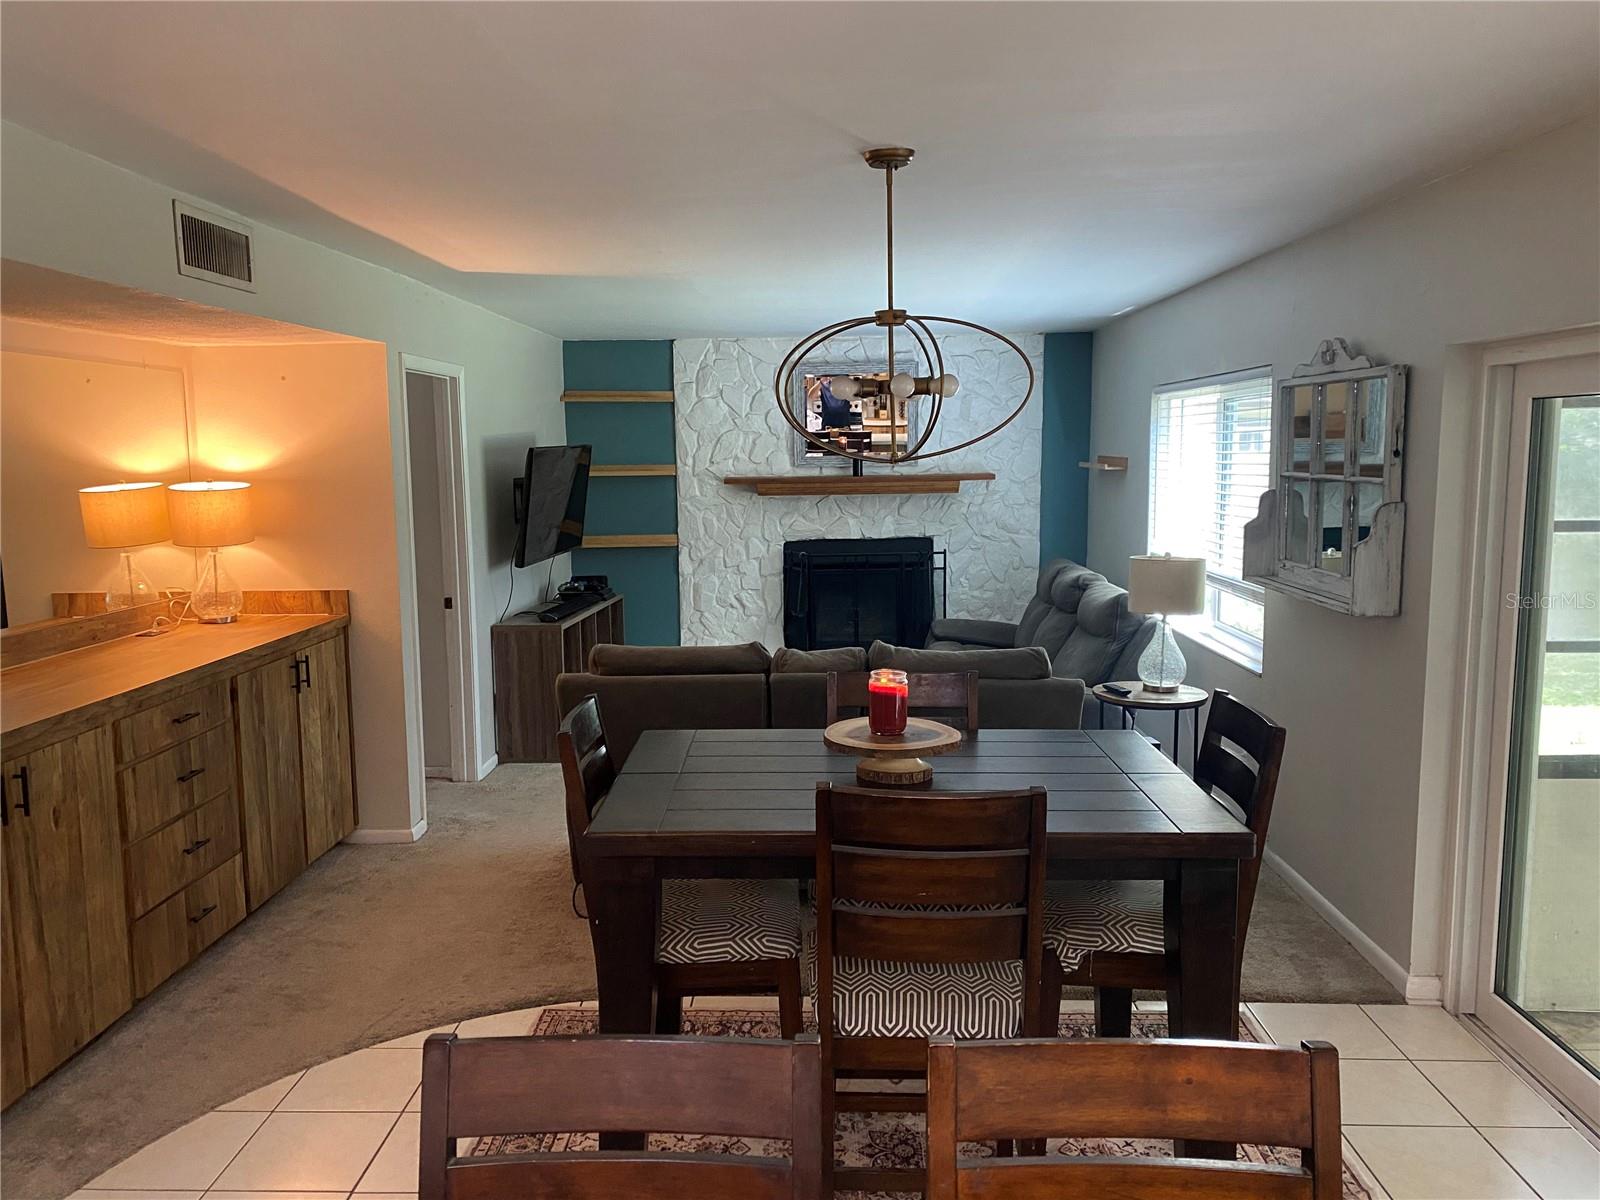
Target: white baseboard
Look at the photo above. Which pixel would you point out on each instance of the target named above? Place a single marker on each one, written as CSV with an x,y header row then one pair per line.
x,y
488,765
1417,989
384,837
436,772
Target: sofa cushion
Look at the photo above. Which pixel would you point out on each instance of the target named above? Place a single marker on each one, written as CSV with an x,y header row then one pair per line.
x,y
1039,606
749,659
1021,662
845,658
1104,626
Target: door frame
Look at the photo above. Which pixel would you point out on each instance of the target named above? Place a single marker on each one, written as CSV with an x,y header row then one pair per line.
x,y
455,529
1487,649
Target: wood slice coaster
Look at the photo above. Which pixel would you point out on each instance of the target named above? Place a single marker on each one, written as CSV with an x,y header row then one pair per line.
x,y
892,761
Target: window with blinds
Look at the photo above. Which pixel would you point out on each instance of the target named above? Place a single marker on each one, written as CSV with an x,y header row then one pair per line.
x,y
1210,460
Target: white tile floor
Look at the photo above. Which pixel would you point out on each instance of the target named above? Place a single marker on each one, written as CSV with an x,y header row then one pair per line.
x,y
1429,1113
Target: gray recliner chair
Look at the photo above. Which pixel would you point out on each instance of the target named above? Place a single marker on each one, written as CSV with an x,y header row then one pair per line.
x,y
1078,616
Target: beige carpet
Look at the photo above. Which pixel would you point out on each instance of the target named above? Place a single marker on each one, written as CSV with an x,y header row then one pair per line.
x,y
377,941
880,1141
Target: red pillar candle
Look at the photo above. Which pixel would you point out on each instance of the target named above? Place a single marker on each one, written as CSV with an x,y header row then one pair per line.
x,y
887,694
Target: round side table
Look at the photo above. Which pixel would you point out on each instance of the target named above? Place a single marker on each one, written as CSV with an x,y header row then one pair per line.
x,y
1185,699
891,761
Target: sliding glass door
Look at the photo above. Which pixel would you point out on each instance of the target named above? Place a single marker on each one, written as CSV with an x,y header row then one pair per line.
x,y
1540,975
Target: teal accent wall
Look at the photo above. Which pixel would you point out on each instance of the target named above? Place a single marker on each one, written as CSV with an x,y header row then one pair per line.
x,y
622,433
617,366
1063,484
628,434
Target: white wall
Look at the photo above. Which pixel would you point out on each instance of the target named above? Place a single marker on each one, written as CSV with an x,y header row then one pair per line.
x,y
72,212
1506,248
730,541
80,408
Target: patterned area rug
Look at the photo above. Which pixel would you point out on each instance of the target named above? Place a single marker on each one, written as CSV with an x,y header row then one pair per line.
x,y
877,1140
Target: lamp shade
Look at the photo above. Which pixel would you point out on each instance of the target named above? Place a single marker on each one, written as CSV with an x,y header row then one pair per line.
x,y
1160,583
119,515
213,513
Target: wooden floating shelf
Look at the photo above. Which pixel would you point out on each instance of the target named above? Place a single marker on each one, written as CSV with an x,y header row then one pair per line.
x,y
625,541
1107,462
616,397
910,484
635,469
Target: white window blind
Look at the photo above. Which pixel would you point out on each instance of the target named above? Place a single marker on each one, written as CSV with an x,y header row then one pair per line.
x,y
1210,459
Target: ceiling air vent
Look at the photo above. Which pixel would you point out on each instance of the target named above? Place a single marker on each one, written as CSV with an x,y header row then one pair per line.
x,y
213,247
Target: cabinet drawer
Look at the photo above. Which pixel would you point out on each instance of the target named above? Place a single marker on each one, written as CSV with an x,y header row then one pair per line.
x,y
162,725
173,934
174,781
176,855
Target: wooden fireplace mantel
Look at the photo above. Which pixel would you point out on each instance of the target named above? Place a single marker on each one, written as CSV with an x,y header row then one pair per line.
x,y
892,484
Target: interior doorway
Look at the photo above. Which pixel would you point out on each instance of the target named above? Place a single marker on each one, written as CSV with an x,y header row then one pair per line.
x,y
441,576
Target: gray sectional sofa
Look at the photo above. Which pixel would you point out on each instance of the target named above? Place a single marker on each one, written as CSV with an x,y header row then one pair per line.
x,y
1079,617
743,687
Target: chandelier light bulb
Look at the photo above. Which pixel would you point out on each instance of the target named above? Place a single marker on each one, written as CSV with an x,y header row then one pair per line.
x,y
947,385
901,386
844,387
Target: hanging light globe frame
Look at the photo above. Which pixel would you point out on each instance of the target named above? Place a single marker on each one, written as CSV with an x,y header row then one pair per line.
x,y
889,318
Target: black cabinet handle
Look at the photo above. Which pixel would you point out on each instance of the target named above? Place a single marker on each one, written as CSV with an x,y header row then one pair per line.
x,y
25,807
202,914
184,718
305,666
191,774
197,845
295,667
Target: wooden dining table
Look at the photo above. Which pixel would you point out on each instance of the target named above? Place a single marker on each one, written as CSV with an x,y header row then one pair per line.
x,y
741,803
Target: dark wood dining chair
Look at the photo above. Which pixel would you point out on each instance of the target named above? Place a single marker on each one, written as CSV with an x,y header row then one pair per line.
x,y
951,693
722,1087
1111,934
1205,1091
715,937
929,924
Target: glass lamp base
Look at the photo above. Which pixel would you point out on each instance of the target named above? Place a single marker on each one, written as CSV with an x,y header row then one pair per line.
x,y
129,586
217,599
1162,666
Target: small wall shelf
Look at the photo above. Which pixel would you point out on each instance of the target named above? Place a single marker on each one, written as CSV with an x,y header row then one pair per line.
x,y
623,541
918,483
634,469
616,397
1107,462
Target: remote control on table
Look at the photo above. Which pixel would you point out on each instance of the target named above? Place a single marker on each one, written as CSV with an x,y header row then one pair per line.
x,y
1115,689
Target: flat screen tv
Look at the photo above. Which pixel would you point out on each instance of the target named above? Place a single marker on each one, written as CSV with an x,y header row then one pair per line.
x,y
550,499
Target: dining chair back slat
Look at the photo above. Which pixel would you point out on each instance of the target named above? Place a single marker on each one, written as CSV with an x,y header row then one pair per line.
x,y
1252,787
587,769
1203,1091
952,694
728,1087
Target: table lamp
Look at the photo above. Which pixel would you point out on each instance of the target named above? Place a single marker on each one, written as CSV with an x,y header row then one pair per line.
x,y
1160,583
208,516
121,516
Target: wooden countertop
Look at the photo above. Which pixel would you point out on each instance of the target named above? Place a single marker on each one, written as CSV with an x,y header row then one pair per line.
x,y
40,698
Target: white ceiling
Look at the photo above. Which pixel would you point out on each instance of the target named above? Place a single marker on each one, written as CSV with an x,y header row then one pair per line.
x,y
624,170
45,297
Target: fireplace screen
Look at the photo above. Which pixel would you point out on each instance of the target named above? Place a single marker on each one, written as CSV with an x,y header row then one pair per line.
x,y
853,592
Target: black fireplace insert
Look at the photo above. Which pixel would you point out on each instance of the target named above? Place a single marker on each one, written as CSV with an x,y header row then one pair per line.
x,y
854,591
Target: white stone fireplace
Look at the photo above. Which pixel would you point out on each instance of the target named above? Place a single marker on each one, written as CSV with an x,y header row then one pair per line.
x,y
730,541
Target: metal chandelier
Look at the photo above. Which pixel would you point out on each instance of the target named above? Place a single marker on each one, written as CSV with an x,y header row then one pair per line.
x,y
934,387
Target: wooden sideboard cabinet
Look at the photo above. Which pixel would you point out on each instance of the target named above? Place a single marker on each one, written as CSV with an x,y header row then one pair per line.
x,y
528,654
155,791
294,751
64,885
